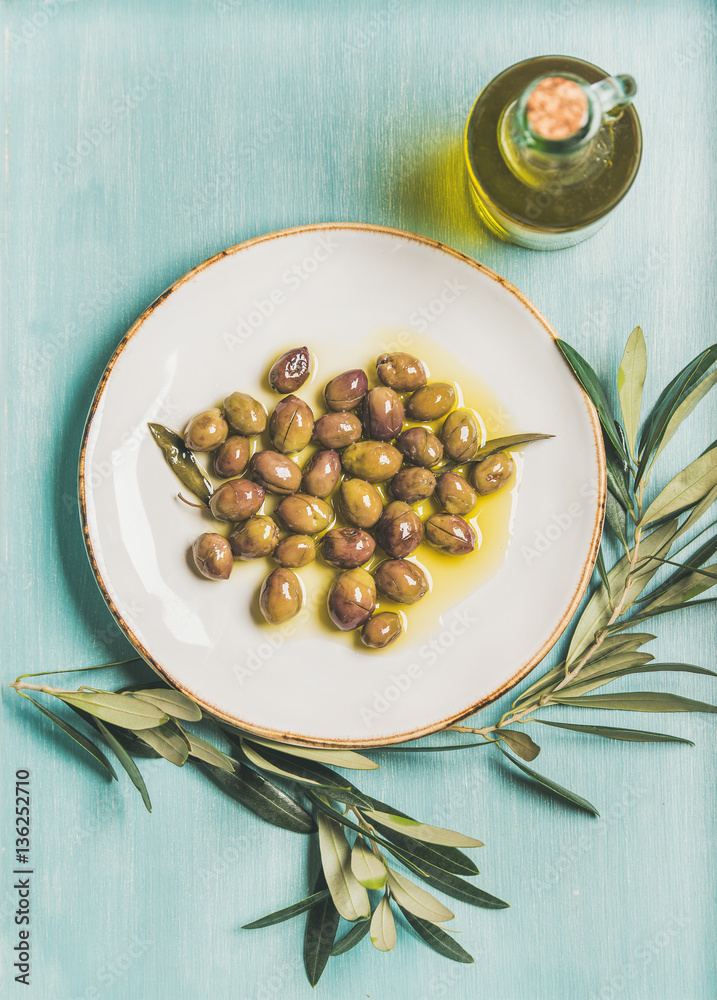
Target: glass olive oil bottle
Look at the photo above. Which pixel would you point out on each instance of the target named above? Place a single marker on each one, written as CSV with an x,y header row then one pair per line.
x,y
552,145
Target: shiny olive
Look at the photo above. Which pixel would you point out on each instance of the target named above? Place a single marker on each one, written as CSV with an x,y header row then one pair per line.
x,y
401,372
337,430
413,484
352,599
275,472
305,515
232,457
346,391
401,581
254,538
291,370
455,494
399,530
280,597
244,414
420,447
347,547
451,534
295,551
382,414
431,401
213,556
321,473
291,424
206,430
381,630
361,503
492,473
461,435
373,461
236,500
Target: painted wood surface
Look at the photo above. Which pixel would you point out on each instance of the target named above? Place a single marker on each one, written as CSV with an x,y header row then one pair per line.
x,y
142,138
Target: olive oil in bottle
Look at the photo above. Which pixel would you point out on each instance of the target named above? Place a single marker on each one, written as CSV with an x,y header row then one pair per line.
x,y
552,145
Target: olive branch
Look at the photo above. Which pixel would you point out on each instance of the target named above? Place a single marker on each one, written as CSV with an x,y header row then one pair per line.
x,y
356,881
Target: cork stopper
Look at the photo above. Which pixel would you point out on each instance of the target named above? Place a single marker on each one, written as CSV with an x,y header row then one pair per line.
x,y
557,108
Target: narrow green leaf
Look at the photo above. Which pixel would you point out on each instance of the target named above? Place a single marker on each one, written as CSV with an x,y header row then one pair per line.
x,y
447,859
698,511
349,896
593,387
687,487
630,381
76,735
662,609
278,916
331,783
321,927
509,443
438,939
639,701
201,750
369,870
685,409
452,885
348,759
119,709
173,703
446,746
383,927
255,758
182,462
412,897
616,733
422,831
696,560
602,570
519,742
357,933
168,743
684,589
617,519
261,796
564,793
127,763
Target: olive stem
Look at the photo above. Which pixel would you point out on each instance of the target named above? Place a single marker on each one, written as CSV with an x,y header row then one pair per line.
x,y
199,506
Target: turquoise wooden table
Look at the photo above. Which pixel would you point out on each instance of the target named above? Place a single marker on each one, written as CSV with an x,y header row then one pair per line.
x,y
139,140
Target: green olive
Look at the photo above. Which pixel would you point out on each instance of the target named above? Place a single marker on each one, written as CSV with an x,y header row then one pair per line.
x,y
236,500
291,424
322,473
431,401
347,548
455,494
337,430
232,458
305,515
401,581
281,596
345,391
401,372
254,538
461,435
206,430
352,599
492,473
382,414
449,533
244,414
413,484
420,447
381,630
275,472
374,461
361,503
291,370
213,556
399,530
295,551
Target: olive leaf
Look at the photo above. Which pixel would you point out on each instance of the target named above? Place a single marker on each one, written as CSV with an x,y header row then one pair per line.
x,y
369,870
348,759
446,746
697,511
412,897
422,831
685,409
167,742
581,686
617,471
357,933
616,517
278,916
616,733
349,896
173,703
437,939
638,701
383,927
548,783
660,609
321,927
508,443
697,559
440,856
127,763
261,797
519,742
76,735
182,462
452,885
630,381
119,709
688,487
255,758
201,750
593,387
602,569
685,588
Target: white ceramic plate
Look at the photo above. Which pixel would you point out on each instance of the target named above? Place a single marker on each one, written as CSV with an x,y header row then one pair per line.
x,y
347,291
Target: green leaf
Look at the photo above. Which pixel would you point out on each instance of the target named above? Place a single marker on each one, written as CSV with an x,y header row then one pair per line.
x,y
697,559
452,885
119,709
553,786
685,588
348,759
630,381
446,746
383,927
660,609
602,569
616,733
685,408
509,443
639,701
261,796
357,933
321,927
333,784
422,831
278,916
412,897
698,510
349,896
438,939
447,859
200,749
173,703
255,758
127,763
167,742
593,387
182,462
519,742
687,487
76,735
617,519
369,870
